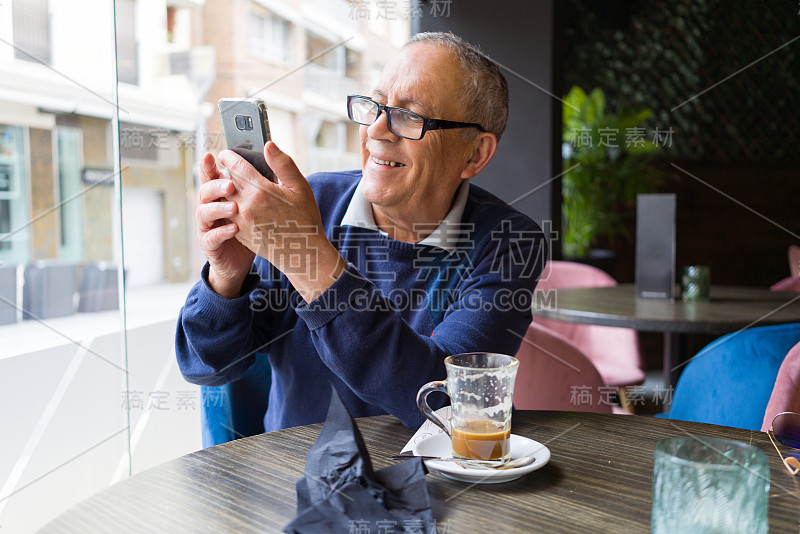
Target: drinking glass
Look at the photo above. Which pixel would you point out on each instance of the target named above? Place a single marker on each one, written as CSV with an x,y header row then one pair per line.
x,y
695,283
481,387
709,485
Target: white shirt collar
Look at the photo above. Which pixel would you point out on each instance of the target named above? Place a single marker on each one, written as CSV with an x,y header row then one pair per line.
x,y
445,236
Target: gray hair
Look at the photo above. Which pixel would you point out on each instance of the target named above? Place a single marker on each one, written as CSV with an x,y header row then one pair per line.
x,y
484,89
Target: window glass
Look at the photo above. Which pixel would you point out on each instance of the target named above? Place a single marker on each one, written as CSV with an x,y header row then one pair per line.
x,y
127,46
69,192
31,30
268,34
63,369
14,231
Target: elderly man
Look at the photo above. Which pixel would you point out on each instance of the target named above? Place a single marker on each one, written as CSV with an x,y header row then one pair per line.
x,y
367,279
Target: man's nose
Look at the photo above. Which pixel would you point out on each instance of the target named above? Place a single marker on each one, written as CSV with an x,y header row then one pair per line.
x,y
380,128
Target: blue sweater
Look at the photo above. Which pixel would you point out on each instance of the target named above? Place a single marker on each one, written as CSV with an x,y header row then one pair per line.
x,y
383,329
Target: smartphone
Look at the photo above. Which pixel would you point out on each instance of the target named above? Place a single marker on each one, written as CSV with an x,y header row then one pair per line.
x,y
246,128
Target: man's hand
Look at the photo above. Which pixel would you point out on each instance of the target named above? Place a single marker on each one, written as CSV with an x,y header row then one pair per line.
x,y
280,221
229,260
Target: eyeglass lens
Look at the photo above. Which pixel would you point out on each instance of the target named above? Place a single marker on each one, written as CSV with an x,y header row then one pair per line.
x,y
401,122
786,429
363,111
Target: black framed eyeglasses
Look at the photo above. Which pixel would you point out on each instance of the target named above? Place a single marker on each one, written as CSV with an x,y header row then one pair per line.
x,y
785,429
401,122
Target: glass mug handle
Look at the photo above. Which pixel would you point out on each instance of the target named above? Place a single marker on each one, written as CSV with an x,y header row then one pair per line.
x,y
422,403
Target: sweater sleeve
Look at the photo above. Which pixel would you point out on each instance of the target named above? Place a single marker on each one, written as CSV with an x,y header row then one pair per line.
x,y
362,337
216,338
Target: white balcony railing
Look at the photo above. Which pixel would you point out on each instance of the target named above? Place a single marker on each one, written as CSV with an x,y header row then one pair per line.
x,y
328,83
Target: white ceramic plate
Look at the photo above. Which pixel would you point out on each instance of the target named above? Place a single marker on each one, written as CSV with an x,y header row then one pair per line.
x,y
439,445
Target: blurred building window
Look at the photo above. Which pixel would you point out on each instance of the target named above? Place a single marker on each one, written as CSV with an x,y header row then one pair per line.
x,y
171,13
331,135
179,26
127,46
330,68
352,64
329,151
325,53
14,235
268,34
353,138
70,200
31,30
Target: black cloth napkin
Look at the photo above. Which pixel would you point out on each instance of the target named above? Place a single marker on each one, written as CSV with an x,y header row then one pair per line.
x,y
341,492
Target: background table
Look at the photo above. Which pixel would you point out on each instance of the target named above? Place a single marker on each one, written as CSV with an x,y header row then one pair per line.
x,y
598,480
729,309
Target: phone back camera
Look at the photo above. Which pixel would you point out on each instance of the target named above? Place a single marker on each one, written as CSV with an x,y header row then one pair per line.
x,y
244,122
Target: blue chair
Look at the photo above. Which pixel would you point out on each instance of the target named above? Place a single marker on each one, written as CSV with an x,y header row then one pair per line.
x,y
236,410
730,381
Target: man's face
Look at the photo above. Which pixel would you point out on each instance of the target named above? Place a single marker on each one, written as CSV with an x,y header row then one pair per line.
x,y
419,188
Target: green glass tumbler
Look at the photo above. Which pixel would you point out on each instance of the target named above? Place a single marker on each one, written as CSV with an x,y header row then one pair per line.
x,y
709,485
695,283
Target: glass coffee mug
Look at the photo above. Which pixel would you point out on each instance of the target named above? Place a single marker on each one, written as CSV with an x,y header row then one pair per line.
x,y
481,387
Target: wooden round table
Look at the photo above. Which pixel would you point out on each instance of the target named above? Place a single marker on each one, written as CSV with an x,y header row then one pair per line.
x,y
598,480
728,310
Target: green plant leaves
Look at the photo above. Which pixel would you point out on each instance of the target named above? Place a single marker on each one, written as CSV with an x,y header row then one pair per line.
x,y
609,166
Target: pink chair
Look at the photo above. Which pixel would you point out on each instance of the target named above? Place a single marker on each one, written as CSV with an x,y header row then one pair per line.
x,y
794,260
555,375
792,283
786,392
614,351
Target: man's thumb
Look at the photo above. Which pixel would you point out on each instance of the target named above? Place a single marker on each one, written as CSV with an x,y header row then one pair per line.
x,y
281,164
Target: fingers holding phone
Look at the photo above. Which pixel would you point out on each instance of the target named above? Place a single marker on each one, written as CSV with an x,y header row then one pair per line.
x,y
246,129
270,218
281,222
229,260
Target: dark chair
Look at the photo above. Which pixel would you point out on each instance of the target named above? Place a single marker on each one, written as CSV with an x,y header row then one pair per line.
x,y
730,381
236,410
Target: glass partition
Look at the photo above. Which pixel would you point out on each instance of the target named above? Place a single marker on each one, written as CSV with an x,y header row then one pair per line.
x,y
63,365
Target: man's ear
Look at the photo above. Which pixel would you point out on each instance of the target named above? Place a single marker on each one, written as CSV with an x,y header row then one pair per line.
x,y
483,149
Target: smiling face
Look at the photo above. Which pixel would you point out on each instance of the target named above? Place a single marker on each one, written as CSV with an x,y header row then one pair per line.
x,y
414,182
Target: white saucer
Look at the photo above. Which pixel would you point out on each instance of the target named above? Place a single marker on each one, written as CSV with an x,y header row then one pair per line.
x,y
439,445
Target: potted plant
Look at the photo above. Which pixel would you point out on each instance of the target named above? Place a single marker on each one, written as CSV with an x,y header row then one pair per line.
x,y
606,157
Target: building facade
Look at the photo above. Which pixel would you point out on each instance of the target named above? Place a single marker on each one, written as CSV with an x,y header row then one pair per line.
x,y
303,58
